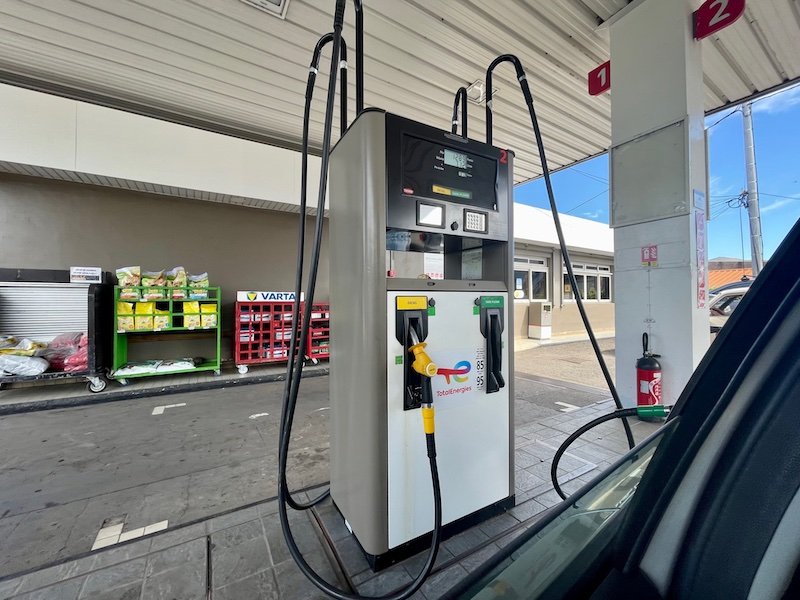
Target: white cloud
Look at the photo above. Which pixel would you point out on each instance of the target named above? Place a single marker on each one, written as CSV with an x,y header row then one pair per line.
x,y
718,189
779,101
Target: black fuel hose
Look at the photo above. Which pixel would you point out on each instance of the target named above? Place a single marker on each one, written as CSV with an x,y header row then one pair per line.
x,y
461,96
295,363
294,355
526,92
652,411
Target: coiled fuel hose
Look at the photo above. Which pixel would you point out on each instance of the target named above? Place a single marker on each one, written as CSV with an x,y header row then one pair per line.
x,y
655,411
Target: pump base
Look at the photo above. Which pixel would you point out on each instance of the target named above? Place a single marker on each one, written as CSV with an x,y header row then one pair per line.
x,y
378,562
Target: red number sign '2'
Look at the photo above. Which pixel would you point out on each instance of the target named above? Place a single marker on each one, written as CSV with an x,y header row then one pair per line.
x,y
600,79
714,15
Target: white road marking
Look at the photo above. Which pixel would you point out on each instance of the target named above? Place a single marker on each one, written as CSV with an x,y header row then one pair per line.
x,y
159,410
133,533
255,416
161,525
321,409
567,407
578,458
113,534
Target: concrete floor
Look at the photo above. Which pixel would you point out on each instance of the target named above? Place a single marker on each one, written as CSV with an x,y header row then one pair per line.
x,y
241,555
65,473
574,362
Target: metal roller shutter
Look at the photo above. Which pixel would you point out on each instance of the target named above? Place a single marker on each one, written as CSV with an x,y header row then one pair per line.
x,y
41,311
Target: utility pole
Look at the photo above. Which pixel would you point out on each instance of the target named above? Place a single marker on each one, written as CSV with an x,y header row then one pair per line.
x,y
756,244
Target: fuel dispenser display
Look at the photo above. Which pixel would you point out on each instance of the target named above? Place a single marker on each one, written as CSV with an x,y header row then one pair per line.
x,y
401,190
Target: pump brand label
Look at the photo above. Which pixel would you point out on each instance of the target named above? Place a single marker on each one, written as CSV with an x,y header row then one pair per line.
x,y
412,303
458,373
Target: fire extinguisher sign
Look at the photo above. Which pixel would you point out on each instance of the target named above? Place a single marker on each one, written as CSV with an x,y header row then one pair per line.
x,y
649,255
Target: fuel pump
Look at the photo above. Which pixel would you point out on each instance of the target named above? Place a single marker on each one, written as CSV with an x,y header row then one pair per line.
x,y
421,202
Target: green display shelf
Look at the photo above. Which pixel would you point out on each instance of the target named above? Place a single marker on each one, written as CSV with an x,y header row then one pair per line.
x,y
173,310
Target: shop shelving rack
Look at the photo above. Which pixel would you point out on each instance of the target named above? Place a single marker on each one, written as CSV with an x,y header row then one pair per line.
x,y
176,321
42,303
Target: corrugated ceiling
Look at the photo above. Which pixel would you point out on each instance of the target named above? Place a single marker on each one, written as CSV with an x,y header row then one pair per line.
x,y
227,66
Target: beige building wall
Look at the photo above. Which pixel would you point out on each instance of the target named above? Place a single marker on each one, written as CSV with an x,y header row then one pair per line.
x,y
567,319
47,224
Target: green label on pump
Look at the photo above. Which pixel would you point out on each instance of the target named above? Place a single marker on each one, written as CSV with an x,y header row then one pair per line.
x,y
431,311
398,360
476,310
491,302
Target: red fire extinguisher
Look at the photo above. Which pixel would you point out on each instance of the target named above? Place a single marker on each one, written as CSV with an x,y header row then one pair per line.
x,y
648,377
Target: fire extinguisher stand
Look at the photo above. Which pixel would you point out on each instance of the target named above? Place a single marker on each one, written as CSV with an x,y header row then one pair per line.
x,y
648,379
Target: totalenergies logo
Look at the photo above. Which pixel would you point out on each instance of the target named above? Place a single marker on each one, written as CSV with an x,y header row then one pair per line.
x,y
458,372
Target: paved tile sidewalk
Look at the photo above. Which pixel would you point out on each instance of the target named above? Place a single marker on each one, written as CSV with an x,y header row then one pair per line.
x,y
242,555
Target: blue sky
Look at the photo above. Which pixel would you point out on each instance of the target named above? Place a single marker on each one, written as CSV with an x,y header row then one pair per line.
x,y
582,190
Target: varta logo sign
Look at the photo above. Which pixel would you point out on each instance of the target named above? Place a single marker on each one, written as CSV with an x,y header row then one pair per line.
x,y
258,296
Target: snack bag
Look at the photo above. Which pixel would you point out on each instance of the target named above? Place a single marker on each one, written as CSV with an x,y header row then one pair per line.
x,y
191,321
7,341
129,276
143,323
208,320
161,319
125,323
197,283
145,308
153,278
191,307
176,279
24,347
124,308
208,308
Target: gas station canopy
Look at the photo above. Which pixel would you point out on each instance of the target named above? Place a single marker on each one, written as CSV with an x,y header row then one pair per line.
x,y
227,66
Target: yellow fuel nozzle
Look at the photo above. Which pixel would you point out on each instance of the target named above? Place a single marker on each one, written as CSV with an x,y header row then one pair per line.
x,y
422,362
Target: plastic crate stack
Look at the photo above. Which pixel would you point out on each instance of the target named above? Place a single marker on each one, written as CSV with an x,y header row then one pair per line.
x,y
319,333
265,331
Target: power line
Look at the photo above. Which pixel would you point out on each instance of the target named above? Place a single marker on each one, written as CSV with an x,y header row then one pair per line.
x,y
733,112
591,176
586,201
779,196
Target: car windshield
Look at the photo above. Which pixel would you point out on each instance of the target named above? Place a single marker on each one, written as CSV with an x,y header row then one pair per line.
x,y
727,305
527,571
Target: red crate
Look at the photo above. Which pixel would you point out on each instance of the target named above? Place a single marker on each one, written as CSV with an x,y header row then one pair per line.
x,y
319,333
265,332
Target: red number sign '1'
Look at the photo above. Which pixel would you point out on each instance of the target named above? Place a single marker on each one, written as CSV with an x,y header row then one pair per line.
x,y
600,79
714,15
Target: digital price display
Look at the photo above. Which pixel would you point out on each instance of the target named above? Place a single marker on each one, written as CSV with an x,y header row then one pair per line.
x,y
455,159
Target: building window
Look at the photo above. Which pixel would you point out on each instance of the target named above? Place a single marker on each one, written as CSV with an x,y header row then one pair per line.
x,y
522,285
569,293
591,287
605,288
531,279
593,283
539,285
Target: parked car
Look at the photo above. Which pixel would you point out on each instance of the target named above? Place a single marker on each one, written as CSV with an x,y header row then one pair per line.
x,y
745,282
722,306
706,507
